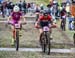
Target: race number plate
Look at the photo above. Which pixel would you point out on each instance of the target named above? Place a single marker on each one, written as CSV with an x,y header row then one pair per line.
x,y
45,28
17,25
63,16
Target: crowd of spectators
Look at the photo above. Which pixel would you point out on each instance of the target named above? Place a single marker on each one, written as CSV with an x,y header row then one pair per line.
x,y
52,8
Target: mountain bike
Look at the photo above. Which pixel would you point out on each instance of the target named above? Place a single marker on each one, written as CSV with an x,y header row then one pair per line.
x,y
45,40
17,28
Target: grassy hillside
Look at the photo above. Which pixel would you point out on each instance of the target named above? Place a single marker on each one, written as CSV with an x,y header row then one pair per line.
x,y
36,1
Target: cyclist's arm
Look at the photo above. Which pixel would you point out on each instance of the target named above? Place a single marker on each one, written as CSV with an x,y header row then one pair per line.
x,y
24,20
9,18
38,20
50,20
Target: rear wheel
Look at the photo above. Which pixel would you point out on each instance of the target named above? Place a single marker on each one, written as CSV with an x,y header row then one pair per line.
x,y
49,47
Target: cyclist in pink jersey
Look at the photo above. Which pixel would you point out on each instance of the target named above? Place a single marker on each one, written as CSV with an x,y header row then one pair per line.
x,y
15,17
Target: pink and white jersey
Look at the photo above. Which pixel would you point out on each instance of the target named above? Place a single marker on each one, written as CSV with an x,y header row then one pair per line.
x,y
16,16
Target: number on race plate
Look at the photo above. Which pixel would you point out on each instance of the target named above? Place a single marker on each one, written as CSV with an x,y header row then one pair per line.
x,y
17,25
45,28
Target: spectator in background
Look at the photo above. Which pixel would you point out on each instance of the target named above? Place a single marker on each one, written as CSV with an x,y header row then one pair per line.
x,y
70,19
42,6
3,8
0,9
33,7
37,8
28,7
63,19
68,8
50,7
37,11
72,25
55,5
24,6
20,5
10,6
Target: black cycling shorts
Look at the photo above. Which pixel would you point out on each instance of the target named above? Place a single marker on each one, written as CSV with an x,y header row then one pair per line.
x,y
42,24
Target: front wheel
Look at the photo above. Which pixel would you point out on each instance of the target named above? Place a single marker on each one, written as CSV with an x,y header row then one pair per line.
x,y
44,47
48,41
17,40
49,47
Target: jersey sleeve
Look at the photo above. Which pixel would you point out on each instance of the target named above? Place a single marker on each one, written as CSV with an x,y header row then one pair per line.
x,y
50,18
21,14
12,14
40,18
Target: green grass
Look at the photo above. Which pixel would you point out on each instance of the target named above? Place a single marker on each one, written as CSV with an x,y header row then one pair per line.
x,y
45,2
33,55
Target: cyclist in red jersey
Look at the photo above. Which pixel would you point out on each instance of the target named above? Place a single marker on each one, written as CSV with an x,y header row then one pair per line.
x,y
14,18
44,20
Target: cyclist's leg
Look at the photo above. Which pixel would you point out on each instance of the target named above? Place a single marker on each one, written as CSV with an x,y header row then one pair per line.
x,y
41,31
50,34
13,35
13,32
40,28
50,30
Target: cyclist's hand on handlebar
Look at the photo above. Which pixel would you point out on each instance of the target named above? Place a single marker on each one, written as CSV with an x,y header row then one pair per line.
x,y
8,22
25,23
37,25
22,22
54,25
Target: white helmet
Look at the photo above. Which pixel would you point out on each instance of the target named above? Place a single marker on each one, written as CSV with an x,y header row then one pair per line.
x,y
54,1
16,8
